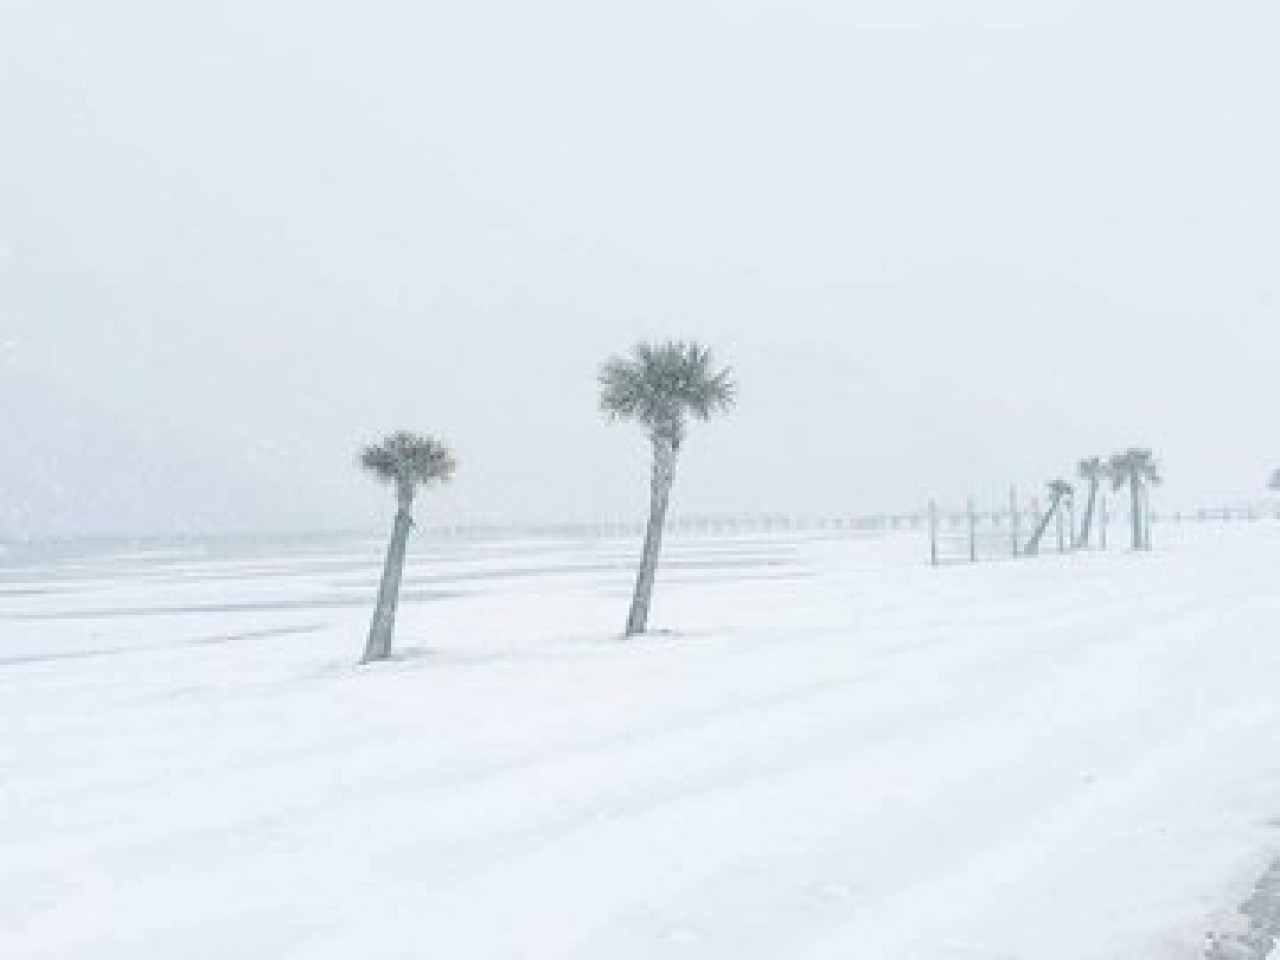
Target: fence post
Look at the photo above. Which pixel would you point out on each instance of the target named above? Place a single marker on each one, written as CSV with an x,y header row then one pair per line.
x,y
1104,518
1014,521
933,532
1148,516
973,532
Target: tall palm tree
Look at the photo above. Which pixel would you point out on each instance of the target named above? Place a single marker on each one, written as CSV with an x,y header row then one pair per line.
x,y
662,386
1059,491
1092,471
1136,468
407,461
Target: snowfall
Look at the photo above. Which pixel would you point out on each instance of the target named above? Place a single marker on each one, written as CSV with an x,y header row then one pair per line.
x,y
827,749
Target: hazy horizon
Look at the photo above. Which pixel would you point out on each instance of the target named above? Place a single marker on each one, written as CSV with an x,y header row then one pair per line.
x,y
947,247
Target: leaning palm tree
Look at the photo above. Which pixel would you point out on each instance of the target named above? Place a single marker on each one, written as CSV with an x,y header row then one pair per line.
x,y
1059,492
1136,468
1092,471
409,462
662,386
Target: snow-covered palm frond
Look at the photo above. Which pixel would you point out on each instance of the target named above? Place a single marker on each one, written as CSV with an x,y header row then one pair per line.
x,y
1135,465
662,385
408,459
1092,468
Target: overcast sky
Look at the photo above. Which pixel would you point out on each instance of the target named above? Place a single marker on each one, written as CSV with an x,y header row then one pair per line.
x,y
948,245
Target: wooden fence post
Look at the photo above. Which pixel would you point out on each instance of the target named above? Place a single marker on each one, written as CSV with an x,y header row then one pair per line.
x,y
1148,518
1014,518
973,532
1104,518
933,532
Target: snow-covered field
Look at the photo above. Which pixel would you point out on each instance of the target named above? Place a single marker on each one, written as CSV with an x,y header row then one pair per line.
x,y
837,753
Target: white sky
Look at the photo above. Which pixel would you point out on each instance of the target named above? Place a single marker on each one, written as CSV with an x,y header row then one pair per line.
x,y
947,244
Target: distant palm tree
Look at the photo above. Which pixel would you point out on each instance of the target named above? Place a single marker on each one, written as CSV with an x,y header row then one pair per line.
x,y
1137,469
661,386
1059,491
408,461
1092,470
1275,479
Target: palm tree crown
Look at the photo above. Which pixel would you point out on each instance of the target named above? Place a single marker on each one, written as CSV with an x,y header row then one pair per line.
x,y
1060,489
409,461
1136,464
1092,468
662,385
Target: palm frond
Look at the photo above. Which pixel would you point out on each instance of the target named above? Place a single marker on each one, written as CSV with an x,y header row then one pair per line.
x,y
406,458
662,385
1120,467
1091,468
1135,465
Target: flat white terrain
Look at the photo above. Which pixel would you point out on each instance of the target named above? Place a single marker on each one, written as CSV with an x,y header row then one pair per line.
x,y
836,753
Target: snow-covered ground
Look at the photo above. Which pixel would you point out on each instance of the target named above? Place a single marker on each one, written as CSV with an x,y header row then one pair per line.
x,y
837,753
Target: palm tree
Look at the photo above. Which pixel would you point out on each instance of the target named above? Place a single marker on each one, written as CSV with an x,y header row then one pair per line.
x,y
662,386
1092,470
1059,491
1137,469
1275,479
408,461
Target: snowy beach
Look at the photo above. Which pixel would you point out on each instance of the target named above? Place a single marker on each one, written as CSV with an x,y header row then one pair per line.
x,y
835,752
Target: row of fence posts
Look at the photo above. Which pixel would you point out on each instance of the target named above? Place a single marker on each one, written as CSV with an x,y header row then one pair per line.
x,y
1065,529
687,525
933,519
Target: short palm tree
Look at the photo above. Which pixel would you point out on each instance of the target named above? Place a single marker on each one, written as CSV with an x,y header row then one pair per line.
x,y
1092,471
1059,492
1136,468
407,461
662,386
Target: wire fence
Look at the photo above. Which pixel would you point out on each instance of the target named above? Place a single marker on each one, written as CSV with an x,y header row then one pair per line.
x,y
972,534
1017,529
966,533
685,526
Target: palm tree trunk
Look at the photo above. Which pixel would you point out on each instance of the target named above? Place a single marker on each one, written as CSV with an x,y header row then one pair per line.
x,y
664,468
1086,525
1033,545
1135,511
381,629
